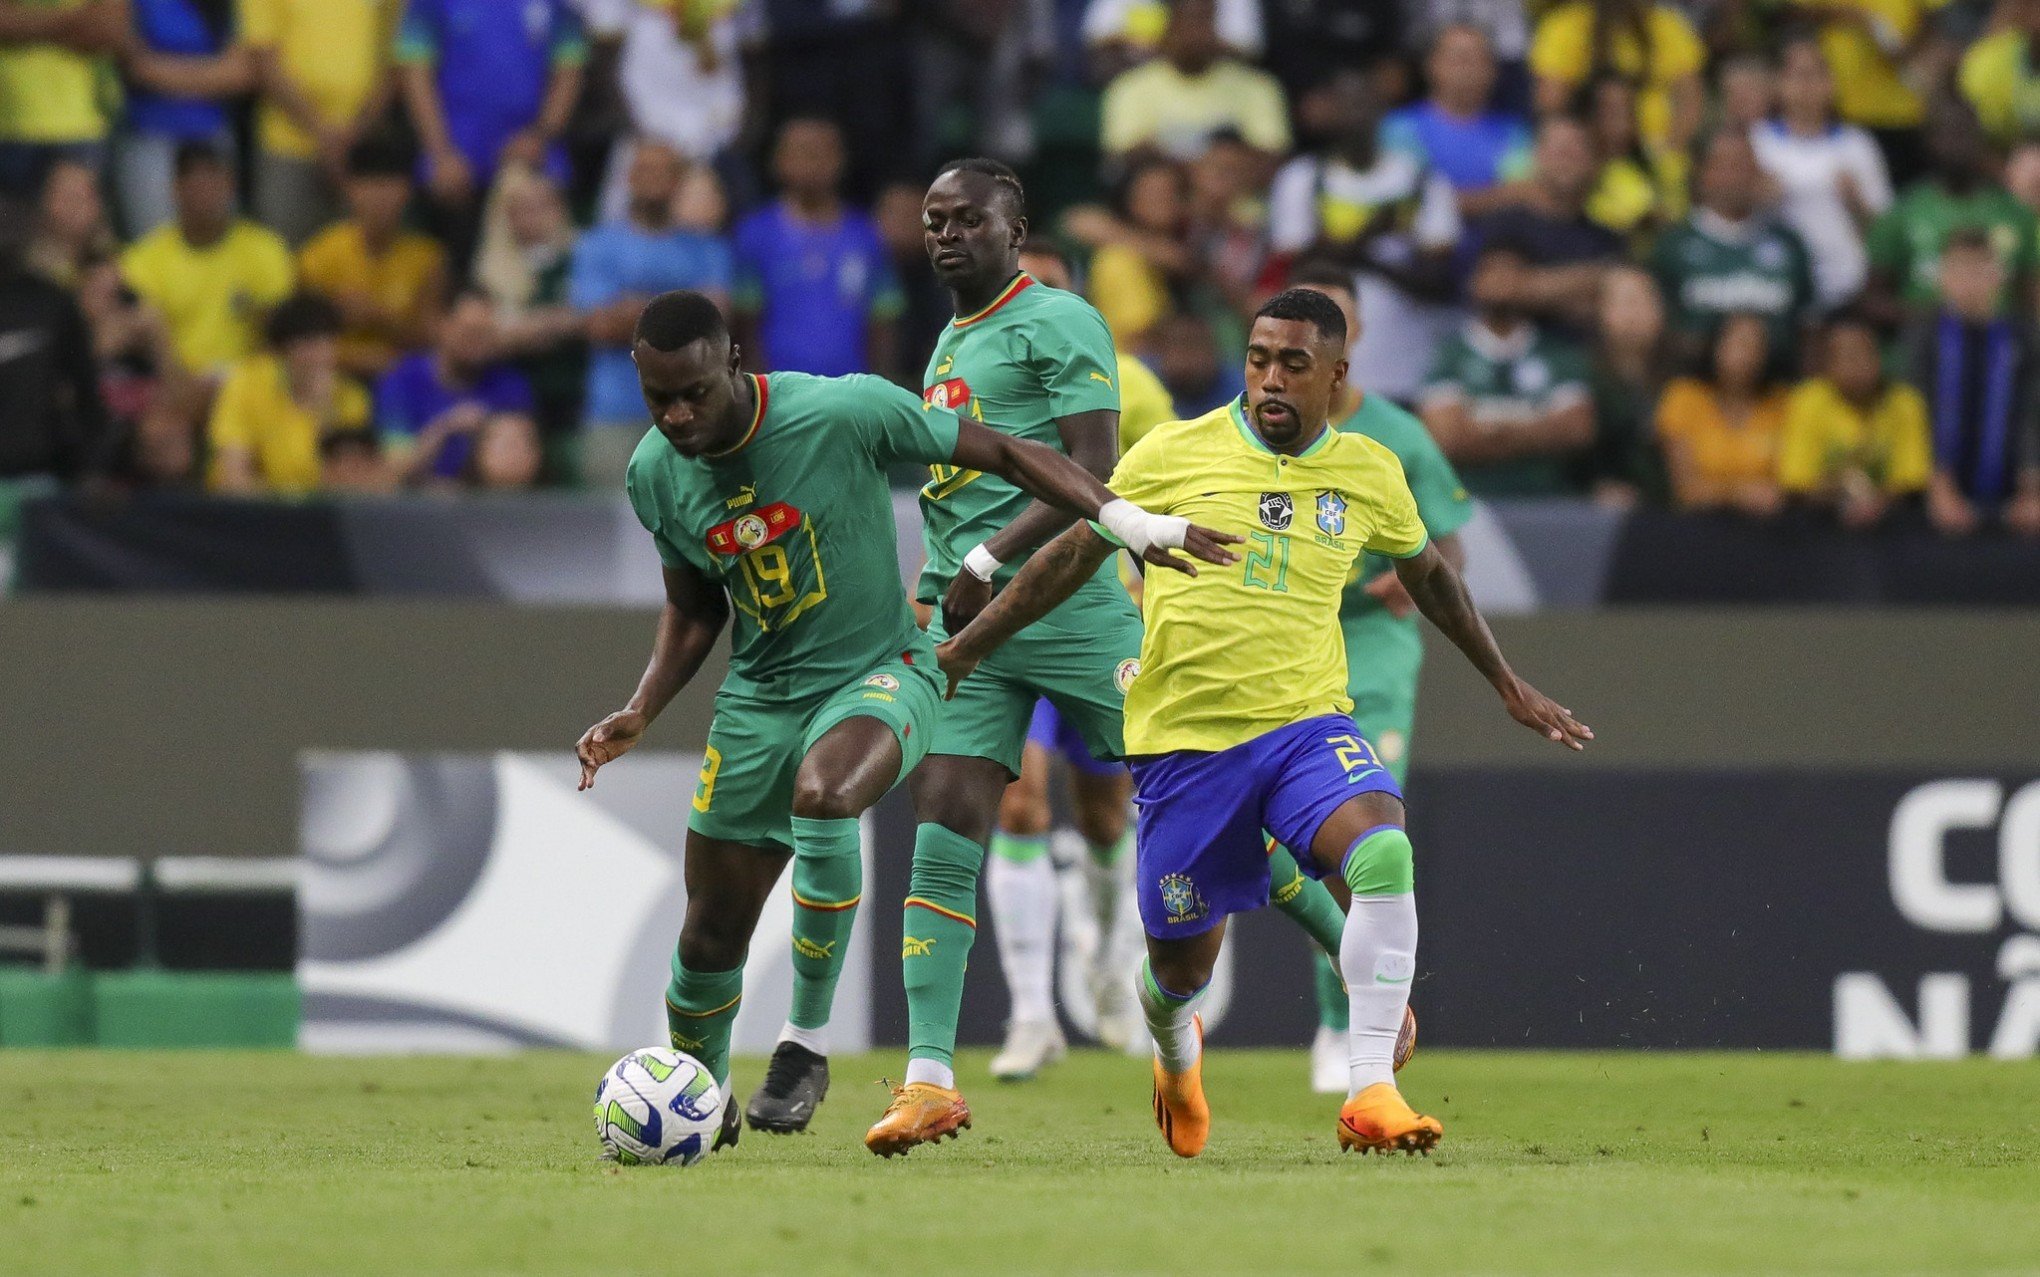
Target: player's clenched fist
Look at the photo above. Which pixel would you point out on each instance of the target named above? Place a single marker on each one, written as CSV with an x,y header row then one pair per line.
x,y
608,741
1545,716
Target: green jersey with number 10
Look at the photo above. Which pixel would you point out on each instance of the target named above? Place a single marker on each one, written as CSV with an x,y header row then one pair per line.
x,y
796,522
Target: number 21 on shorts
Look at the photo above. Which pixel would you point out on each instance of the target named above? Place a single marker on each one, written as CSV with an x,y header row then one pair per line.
x,y
1356,756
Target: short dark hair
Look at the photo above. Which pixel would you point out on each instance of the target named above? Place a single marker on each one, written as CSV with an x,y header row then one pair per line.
x,y
379,155
1971,239
192,156
1308,306
676,320
1002,175
356,440
299,317
1317,272
1504,245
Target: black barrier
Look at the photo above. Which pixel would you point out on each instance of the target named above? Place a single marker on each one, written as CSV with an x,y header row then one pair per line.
x,y
1872,913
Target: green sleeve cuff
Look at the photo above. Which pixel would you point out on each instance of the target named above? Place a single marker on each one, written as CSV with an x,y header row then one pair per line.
x,y
1105,532
1421,547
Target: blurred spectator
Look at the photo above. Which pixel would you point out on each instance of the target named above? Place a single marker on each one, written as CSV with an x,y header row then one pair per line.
x,y
183,69
351,462
508,456
925,308
54,66
973,67
1855,440
1720,432
847,61
527,252
323,67
1505,23
387,281
1566,250
1134,273
1143,401
1382,215
485,85
1174,103
1976,367
681,76
814,285
1123,33
1731,257
1310,40
1650,44
70,225
1454,131
617,268
212,275
1228,223
1960,190
53,423
2022,175
274,409
1507,401
1184,354
429,406
1998,78
1639,188
150,407
1632,358
1832,174
1749,93
1882,55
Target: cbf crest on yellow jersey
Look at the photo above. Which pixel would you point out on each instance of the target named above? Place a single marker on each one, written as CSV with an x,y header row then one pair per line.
x,y
1237,651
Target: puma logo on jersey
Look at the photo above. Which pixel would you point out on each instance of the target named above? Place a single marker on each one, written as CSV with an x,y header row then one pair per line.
x,y
1099,376
745,496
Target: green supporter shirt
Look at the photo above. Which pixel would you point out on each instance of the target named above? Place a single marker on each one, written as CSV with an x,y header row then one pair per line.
x,y
1034,355
797,524
1906,241
1529,373
1711,268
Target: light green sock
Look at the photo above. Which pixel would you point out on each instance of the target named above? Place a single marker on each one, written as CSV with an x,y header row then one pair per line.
x,y
1020,849
1334,1009
940,924
701,1008
828,881
1304,899
1111,853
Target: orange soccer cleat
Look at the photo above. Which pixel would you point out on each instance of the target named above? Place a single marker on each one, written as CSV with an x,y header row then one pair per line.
x,y
1180,1111
920,1113
1379,1120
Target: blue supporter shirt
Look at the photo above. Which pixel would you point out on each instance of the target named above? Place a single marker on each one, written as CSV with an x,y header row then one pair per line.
x,y
1472,154
175,26
817,288
412,395
623,259
492,60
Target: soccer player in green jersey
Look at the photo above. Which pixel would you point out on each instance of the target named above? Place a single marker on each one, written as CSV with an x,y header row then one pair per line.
x,y
767,498
1384,650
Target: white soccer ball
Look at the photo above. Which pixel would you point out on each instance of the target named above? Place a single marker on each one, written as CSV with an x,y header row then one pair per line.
x,y
658,1107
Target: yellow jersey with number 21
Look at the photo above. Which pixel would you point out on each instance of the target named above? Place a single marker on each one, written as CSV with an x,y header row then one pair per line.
x,y
1235,652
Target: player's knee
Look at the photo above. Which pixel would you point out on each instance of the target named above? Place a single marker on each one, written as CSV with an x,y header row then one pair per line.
x,y
818,797
1102,824
1381,863
1181,974
955,813
1023,811
707,946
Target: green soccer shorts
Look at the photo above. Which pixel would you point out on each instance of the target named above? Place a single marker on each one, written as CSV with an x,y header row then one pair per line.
x,y
755,747
1383,658
1082,657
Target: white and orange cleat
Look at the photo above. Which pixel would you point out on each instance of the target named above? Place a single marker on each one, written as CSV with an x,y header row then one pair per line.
x,y
920,1113
1181,1114
1379,1120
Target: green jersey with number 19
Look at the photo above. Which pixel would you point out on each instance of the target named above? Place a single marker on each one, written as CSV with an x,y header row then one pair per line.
x,y
1035,354
796,522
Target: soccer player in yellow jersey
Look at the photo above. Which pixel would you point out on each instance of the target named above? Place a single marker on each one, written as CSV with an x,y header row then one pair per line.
x,y
1238,720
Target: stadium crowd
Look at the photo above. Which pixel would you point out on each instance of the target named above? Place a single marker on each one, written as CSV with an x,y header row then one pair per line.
x,y
1720,254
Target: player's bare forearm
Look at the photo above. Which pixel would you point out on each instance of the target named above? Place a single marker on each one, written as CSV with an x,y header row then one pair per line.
x,y
1035,468
1051,576
1090,439
694,615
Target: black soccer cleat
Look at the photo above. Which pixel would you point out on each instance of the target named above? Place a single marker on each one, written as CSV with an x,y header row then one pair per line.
x,y
795,1082
732,1130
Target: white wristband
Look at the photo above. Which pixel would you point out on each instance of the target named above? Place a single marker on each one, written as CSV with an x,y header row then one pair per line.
x,y
1139,530
980,564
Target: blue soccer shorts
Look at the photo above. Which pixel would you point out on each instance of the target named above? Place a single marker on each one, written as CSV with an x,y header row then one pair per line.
x,y
1201,853
1050,730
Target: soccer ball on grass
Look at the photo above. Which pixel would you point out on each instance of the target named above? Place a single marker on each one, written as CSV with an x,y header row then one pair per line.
x,y
658,1107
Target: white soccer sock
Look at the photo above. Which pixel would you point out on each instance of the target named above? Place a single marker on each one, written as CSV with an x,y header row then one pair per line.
x,y
1169,1021
933,1072
816,1039
1022,895
1377,956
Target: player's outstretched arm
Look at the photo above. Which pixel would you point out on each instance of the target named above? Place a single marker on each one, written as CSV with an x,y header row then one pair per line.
x,y
1051,576
1047,475
1440,594
696,611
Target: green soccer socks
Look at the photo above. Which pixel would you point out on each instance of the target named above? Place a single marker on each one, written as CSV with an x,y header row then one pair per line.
x,y
1312,907
701,1008
828,879
939,924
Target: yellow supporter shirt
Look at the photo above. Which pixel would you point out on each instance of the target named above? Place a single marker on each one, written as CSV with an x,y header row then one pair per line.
x,y
1129,292
1722,453
213,299
1563,50
1825,434
1144,402
1870,87
254,410
338,261
1998,80
1236,652
1155,104
335,50
50,94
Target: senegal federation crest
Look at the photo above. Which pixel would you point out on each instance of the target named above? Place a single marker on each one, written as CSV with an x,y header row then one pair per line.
x,y
751,531
1123,676
1276,510
1331,514
883,682
1180,898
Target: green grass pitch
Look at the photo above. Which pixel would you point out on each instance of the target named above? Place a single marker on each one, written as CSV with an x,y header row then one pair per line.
x,y
221,1164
